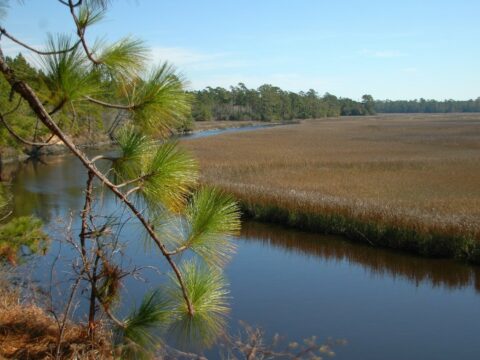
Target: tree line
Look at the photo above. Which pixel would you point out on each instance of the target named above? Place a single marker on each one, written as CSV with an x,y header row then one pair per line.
x,y
266,103
427,106
271,103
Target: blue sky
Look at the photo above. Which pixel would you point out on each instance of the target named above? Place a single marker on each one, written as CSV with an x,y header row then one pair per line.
x,y
389,49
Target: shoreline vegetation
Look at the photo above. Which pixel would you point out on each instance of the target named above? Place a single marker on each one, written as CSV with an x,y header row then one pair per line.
x,y
92,125
397,226
377,227
237,105
103,142
386,206
406,182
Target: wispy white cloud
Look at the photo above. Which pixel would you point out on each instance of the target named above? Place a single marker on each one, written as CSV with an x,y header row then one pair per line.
x,y
383,54
286,81
189,59
182,56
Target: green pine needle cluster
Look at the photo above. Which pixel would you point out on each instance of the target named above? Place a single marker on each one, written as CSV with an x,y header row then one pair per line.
x,y
90,14
169,175
123,58
160,100
134,147
208,292
165,312
165,173
21,236
67,74
119,77
143,327
213,217
205,227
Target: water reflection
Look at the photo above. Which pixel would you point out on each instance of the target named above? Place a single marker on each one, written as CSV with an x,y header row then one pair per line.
x,y
44,188
295,283
50,187
380,262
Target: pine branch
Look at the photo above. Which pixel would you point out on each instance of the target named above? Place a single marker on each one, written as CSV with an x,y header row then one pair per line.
x,y
37,107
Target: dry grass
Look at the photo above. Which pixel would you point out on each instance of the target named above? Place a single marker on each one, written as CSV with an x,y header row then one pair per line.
x,y
406,172
28,332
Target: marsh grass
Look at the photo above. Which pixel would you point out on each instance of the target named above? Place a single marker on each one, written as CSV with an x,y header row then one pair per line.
x,y
407,182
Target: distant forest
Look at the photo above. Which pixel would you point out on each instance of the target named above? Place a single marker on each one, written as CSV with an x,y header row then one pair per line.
x,y
266,103
270,103
427,106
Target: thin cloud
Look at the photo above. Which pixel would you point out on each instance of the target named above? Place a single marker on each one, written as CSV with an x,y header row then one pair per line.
x,y
286,81
182,56
196,60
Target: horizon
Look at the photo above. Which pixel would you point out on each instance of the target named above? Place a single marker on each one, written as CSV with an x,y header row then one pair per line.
x,y
391,51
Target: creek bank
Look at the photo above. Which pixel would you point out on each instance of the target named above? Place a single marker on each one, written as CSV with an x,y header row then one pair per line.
x,y
397,232
11,155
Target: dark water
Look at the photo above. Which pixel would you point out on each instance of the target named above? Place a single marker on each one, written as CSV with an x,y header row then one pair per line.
x,y
387,305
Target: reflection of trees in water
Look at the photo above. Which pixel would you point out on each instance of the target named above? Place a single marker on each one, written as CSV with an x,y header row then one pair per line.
x,y
437,272
35,186
63,174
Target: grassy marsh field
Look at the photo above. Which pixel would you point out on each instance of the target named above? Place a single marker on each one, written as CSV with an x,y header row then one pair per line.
x,y
403,181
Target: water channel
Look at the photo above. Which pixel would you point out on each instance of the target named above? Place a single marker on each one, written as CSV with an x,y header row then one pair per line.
x,y
387,305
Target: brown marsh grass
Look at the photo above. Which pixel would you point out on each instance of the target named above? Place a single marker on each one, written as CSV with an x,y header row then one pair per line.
x,y
395,176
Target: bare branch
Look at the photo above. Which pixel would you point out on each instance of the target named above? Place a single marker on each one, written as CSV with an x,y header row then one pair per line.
x,y
21,139
86,211
115,123
101,157
81,33
132,190
6,215
65,317
109,105
113,318
39,52
130,182
78,3
178,250
15,108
